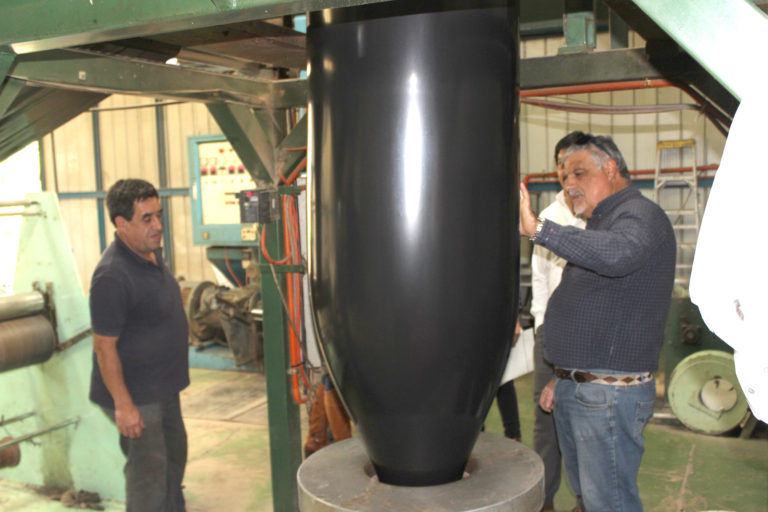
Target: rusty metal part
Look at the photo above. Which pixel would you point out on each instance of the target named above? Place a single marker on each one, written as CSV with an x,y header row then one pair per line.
x,y
11,456
74,339
14,419
25,341
22,304
13,441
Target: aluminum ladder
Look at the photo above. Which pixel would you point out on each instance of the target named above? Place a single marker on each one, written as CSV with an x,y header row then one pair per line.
x,y
685,217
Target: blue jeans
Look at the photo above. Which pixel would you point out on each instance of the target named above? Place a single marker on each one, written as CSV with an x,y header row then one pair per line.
x,y
155,462
600,431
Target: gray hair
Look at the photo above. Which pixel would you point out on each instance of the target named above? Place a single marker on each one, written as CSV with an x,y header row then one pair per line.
x,y
601,148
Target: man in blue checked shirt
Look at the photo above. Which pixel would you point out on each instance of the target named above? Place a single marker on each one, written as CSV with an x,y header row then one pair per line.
x,y
604,323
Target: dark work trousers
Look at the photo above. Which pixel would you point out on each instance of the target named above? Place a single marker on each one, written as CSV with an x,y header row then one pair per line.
x,y
506,399
155,461
544,433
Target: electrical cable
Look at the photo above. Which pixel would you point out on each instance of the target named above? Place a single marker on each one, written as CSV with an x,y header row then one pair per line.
x,y
226,262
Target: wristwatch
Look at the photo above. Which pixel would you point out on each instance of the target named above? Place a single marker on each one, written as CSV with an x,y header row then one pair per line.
x,y
539,226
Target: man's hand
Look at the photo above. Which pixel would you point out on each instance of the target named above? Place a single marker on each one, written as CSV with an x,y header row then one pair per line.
x,y
547,398
528,219
129,421
127,417
518,330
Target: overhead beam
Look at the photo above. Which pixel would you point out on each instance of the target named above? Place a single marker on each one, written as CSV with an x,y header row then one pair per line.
x,y
85,71
39,112
586,68
6,60
38,25
8,94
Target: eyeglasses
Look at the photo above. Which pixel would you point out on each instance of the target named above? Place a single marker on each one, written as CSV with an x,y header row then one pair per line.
x,y
587,139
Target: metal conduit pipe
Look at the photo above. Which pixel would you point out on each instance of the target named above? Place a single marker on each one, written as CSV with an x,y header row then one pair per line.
x,y
551,177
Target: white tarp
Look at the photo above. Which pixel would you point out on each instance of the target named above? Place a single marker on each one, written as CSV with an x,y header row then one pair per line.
x,y
729,279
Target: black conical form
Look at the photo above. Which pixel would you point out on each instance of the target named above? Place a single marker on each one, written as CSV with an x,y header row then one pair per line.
x,y
413,223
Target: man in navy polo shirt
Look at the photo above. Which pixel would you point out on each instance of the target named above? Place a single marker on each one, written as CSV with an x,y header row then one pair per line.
x,y
604,324
140,361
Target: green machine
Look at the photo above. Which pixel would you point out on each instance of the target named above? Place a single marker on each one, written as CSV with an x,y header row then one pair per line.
x,y
698,370
53,435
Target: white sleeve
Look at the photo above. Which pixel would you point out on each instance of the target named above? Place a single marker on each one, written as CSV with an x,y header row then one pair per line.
x,y
540,266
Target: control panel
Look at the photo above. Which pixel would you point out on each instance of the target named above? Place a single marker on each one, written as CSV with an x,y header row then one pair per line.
x,y
222,176
216,177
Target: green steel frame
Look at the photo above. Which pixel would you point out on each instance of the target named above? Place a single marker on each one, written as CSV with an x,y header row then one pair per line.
x,y
75,23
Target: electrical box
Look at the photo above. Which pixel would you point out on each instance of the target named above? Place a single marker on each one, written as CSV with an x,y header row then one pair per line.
x,y
258,206
217,176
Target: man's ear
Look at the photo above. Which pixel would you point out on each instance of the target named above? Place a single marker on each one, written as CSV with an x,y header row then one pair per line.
x,y
611,169
120,222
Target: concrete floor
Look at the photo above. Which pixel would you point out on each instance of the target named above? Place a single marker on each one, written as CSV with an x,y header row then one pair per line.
x,y
228,467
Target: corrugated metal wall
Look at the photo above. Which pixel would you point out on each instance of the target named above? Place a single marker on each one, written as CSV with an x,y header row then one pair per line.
x,y
129,143
128,139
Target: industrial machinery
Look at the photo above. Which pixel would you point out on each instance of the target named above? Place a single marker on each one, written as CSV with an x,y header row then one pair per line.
x,y
700,380
45,360
402,202
225,316
71,59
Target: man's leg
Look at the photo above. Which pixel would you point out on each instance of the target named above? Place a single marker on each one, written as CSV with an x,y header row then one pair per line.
x,y
605,425
506,398
634,409
544,433
564,418
176,452
146,465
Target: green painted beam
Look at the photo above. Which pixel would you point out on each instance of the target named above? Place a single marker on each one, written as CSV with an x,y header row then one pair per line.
x,y
38,25
8,94
83,70
720,35
287,157
6,61
283,413
244,131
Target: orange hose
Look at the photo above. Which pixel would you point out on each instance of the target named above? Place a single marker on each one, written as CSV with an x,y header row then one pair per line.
x,y
264,250
604,87
294,174
226,262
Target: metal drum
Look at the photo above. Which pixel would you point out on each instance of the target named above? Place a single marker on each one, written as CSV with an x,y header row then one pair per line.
x,y
25,341
413,233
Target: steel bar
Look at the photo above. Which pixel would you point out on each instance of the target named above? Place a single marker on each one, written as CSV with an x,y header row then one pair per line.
x,y
27,437
9,204
14,419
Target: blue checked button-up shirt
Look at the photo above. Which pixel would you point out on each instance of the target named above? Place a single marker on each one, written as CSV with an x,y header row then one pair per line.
x,y
610,308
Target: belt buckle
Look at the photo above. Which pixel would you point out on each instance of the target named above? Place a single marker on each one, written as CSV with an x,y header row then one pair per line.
x,y
578,377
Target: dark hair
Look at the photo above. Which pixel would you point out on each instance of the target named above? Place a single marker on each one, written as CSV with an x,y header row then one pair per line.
x,y
124,193
602,148
566,142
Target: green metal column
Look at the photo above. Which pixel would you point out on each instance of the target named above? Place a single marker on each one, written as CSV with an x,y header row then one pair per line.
x,y
6,60
284,423
10,90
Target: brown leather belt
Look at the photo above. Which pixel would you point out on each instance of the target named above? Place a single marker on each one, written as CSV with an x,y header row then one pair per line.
x,y
621,379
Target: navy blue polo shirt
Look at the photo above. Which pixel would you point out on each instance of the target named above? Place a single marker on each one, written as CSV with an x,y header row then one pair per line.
x,y
139,303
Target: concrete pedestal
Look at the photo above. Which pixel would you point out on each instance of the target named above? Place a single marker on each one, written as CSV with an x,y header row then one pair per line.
x,y
501,476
